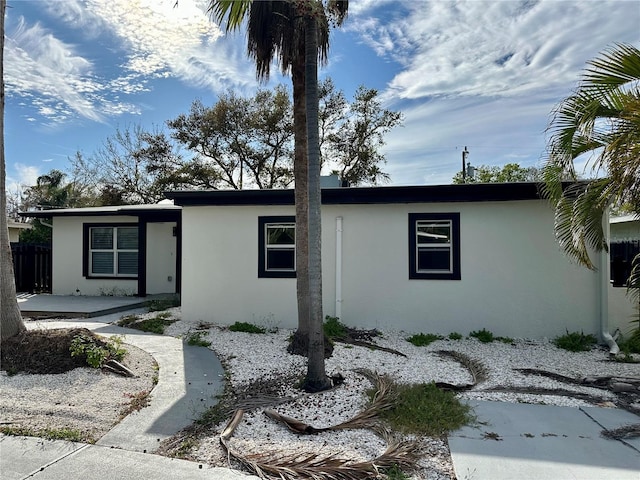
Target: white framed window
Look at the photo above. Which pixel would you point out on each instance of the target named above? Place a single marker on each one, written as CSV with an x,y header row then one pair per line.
x,y
277,247
112,251
434,246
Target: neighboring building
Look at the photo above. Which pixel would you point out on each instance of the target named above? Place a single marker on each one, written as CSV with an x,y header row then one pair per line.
x,y
15,228
120,250
624,246
422,259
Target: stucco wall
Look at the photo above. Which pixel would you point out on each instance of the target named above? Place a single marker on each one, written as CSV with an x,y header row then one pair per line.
x,y
161,258
67,260
515,281
622,311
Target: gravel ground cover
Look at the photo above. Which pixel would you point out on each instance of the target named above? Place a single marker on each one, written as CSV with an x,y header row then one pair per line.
x,y
260,364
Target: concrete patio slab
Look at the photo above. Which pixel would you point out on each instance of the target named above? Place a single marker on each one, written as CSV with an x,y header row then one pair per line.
x,y
22,456
530,442
612,418
78,306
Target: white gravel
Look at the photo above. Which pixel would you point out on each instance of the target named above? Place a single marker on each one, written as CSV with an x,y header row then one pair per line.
x,y
252,357
84,400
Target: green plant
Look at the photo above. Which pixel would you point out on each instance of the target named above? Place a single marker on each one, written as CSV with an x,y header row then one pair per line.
x,y
162,304
425,409
632,343
333,328
504,339
196,339
575,341
97,352
137,402
423,339
455,336
156,324
484,335
395,473
247,328
70,434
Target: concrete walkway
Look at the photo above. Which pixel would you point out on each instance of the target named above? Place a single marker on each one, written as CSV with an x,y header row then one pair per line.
x,y
189,380
532,442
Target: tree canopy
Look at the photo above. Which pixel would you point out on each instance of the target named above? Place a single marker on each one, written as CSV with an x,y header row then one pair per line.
x,y
600,125
511,172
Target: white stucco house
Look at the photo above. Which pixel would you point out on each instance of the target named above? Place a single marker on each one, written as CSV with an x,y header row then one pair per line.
x,y
116,250
418,258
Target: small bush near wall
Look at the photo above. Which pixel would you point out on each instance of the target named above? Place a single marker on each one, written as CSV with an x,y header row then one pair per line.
x,y
247,328
575,341
423,339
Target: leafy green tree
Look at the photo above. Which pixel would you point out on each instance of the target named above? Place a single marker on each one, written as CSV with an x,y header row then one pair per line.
x,y
511,172
51,190
243,141
357,137
10,318
598,123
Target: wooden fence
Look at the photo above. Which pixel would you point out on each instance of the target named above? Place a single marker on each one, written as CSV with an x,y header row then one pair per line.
x,y
32,267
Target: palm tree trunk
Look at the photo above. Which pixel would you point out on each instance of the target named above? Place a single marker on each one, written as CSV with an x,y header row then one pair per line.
x,y
316,379
300,342
10,319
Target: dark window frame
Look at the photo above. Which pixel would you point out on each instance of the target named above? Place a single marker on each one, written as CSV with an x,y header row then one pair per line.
x,y
263,272
86,247
455,273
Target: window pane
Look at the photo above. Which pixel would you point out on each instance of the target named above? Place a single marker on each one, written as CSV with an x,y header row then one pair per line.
x,y
281,259
127,263
281,235
128,238
434,232
102,238
430,259
102,263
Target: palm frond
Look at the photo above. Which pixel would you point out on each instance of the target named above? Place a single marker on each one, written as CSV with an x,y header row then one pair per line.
x,y
286,466
633,283
601,119
232,12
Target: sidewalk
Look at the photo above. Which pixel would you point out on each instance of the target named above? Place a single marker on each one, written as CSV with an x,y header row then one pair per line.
x,y
189,380
531,442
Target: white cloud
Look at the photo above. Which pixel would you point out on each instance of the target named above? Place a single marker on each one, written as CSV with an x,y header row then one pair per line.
x,y
156,39
496,48
23,176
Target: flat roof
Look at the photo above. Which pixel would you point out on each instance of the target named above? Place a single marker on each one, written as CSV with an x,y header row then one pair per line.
x,y
133,210
624,219
472,192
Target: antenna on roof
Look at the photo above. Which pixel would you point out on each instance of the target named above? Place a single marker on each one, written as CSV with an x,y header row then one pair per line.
x,y
465,154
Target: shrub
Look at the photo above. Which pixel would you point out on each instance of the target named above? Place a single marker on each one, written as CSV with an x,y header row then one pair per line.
x,y
423,339
425,409
156,324
196,339
631,344
575,341
484,335
333,328
247,328
455,336
95,351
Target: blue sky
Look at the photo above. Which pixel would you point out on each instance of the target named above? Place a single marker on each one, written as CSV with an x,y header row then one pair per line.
x,y
485,75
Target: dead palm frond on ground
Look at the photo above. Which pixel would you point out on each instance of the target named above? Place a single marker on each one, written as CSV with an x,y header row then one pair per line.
x,y
399,453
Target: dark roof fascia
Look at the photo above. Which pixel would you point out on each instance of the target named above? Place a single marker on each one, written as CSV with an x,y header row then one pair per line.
x,y
158,215
478,192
